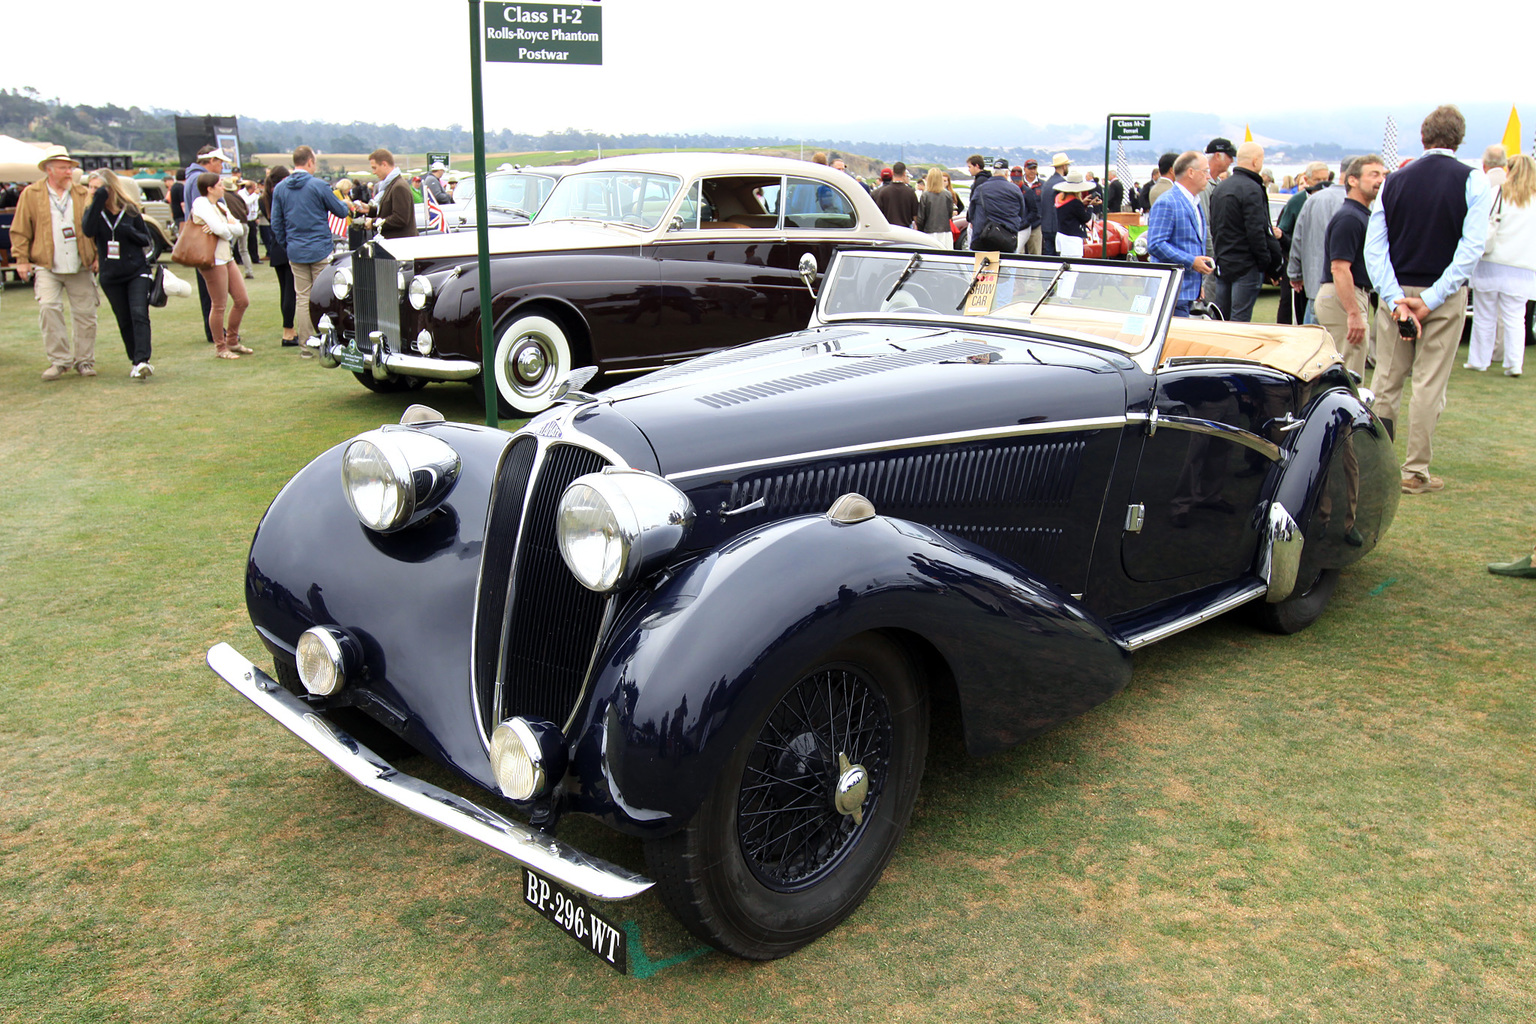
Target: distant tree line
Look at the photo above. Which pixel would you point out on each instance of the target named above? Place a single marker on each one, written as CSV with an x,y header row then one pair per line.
x,y
26,114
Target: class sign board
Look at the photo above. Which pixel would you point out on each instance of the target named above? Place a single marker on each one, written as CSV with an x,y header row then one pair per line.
x,y
544,33
1130,127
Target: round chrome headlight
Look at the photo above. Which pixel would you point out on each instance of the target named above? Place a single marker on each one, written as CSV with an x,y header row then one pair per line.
x,y
341,284
419,292
424,342
1139,247
616,525
394,476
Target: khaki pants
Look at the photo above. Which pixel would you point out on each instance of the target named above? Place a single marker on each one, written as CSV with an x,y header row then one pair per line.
x,y
49,289
304,275
1030,241
1332,314
1429,360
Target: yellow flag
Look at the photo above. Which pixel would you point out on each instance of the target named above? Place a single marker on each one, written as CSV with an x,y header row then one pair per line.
x,y
1512,134
1248,132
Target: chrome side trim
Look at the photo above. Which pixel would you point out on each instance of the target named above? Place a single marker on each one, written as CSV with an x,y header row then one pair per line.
x,y
896,444
1214,428
1251,593
527,846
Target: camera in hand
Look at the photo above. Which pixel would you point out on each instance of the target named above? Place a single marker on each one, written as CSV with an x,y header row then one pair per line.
x,y
1408,328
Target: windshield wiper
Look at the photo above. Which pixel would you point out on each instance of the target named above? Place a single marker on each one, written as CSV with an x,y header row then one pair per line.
x,y
1049,288
514,211
986,262
917,258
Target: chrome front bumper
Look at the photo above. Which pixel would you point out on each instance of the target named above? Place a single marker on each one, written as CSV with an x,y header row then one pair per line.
x,y
384,362
527,846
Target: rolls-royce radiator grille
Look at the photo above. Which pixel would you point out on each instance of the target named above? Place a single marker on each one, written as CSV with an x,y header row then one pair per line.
x,y
375,297
536,626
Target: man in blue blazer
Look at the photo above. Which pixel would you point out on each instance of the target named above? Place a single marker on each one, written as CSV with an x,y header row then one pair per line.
x,y
1176,228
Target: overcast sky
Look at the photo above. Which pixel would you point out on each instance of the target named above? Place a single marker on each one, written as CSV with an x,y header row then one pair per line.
x,y
818,68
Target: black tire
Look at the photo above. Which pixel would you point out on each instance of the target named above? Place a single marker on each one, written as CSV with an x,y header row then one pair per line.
x,y
729,875
532,353
155,249
390,385
357,724
1299,611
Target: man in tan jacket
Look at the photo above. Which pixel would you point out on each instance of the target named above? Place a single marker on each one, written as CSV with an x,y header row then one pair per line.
x,y
49,245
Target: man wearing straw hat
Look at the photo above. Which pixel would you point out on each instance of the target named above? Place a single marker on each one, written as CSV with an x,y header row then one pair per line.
x,y
50,246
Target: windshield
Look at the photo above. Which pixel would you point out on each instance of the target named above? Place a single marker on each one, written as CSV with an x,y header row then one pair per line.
x,y
636,198
1113,305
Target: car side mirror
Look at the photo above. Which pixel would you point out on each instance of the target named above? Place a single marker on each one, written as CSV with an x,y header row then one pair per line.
x,y
677,223
808,272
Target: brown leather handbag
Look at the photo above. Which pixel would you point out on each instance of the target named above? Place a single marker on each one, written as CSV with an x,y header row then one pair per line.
x,y
194,247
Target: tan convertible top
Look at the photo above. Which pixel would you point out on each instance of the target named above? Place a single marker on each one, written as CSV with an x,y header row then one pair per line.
x,y
1303,352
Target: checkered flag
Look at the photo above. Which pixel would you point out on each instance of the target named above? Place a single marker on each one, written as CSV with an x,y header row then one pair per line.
x,y
1389,144
1122,167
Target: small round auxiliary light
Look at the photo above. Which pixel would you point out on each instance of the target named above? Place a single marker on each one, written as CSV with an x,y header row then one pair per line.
x,y
323,657
424,343
527,756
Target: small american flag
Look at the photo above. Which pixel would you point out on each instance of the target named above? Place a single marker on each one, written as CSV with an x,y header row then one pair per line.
x,y
1389,144
337,224
1122,167
435,219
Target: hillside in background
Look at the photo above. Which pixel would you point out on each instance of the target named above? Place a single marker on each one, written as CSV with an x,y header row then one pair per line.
x,y
1290,138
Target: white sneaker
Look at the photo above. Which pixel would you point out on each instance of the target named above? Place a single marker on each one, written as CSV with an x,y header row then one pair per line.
x,y
145,371
1511,373
136,372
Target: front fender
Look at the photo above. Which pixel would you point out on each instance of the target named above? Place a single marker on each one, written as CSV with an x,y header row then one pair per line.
x,y
1339,488
691,666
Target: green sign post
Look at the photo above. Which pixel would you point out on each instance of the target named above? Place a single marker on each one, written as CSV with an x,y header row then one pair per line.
x,y
521,34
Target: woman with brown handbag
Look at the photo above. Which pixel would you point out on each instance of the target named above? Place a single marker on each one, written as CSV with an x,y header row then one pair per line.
x,y
225,283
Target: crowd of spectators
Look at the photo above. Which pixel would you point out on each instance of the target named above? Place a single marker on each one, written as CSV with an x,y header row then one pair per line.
x,y
1404,241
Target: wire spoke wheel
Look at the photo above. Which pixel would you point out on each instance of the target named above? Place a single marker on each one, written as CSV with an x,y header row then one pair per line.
x,y
791,830
807,809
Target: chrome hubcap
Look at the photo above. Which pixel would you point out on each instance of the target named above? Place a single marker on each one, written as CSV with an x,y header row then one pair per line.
x,y
529,362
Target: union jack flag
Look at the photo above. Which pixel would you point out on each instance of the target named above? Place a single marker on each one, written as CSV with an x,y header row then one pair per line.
x,y
435,219
337,224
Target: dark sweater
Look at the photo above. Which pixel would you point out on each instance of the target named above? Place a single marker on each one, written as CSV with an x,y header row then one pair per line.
x,y
130,234
1072,218
1425,205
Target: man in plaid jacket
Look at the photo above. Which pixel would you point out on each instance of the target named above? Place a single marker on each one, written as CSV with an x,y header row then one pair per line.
x,y
1176,228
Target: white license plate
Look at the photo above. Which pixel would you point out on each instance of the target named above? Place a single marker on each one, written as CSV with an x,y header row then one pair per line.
x,y
572,914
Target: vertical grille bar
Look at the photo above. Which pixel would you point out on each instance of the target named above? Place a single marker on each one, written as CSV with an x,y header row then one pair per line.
x,y
501,528
552,625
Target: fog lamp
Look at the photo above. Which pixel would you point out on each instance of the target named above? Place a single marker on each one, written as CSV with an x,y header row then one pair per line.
x,y
424,342
325,659
527,756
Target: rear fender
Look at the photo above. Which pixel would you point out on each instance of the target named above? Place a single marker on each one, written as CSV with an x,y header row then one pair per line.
x,y
1335,498
692,665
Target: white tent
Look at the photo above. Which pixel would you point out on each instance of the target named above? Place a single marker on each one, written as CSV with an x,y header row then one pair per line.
x,y
18,160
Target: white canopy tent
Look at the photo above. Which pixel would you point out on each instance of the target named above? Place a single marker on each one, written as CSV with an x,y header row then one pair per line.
x,y
18,160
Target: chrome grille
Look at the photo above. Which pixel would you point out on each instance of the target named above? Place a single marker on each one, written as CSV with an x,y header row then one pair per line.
x,y
546,623
375,297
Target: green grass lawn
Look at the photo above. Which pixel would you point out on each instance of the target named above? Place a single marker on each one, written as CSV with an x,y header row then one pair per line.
x,y
1335,826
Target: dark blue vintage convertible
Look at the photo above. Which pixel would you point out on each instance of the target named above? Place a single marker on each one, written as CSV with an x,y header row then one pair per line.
x,y
710,607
